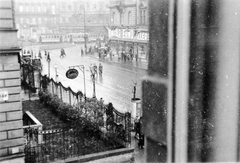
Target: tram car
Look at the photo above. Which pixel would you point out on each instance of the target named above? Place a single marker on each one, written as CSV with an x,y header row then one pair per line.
x,y
70,38
75,37
51,38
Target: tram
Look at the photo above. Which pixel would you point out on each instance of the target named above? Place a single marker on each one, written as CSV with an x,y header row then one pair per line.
x,y
51,38
70,37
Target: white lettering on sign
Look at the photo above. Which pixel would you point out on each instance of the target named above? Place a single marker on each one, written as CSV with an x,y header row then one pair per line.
x,y
3,96
129,34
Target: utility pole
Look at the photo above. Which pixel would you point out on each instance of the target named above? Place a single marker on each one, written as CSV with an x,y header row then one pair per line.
x,y
84,28
48,60
94,79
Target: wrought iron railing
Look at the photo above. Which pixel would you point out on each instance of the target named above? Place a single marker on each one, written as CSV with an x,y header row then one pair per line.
x,y
73,141
59,144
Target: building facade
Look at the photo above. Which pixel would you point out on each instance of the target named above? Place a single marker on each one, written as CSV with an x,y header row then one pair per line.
x,y
128,29
11,125
34,17
83,16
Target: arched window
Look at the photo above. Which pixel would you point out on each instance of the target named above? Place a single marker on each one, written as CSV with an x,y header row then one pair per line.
x,y
44,9
53,9
34,20
21,20
129,17
113,18
144,17
21,8
45,20
69,8
39,20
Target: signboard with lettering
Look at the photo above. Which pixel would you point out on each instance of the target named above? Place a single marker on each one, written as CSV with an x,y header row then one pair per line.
x,y
3,96
129,34
72,73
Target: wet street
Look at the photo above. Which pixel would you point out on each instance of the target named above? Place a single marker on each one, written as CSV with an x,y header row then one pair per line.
x,y
115,85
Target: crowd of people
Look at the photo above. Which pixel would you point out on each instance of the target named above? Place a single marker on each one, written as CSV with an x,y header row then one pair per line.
x,y
95,70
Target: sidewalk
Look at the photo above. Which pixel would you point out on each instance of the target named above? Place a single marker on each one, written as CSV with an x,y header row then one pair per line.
x,y
140,155
142,64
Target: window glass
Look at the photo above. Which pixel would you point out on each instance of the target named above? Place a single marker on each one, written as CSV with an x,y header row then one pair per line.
x,y
39,20
21,20
20,8
34,20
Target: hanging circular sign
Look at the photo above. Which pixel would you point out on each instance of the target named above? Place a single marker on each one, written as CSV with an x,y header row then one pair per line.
x,y
72,73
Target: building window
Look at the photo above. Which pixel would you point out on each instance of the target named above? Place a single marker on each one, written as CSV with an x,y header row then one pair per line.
x,y
26,9
21,20
113,18
144,17
34,20
61,20
45,20
53,9
27,20
129,17
63,6
44,9
69,8
20,8
39,20
39,9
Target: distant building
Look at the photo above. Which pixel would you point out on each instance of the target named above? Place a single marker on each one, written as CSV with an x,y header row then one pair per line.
x,y
36,17
74,15
11,125
60,16
128,27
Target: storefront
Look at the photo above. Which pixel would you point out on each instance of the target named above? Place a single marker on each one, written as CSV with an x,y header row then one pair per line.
x,y
131,41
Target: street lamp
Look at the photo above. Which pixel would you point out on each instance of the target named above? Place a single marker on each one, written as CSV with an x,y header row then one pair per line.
x,y
81,67
56,77
84,28
135,33
93,79
48,60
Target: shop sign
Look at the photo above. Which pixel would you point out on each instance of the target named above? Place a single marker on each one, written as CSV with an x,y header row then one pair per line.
x,y
129,34
72,73
3,96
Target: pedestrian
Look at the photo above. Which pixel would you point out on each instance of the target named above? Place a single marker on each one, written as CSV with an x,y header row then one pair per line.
x,y
48,57
62,53
99,54
141,136
45,53
40,55
95,69
100,67
81,52
136,126
91,68
110,116
110,53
